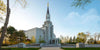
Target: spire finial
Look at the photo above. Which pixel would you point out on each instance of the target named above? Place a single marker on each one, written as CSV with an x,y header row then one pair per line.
x,y
48,15
48,4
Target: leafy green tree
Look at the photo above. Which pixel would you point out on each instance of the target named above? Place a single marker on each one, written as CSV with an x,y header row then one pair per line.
x,y
6,21
21,36
74,39
7,10
81,3
14,38
91,41
80,40
11,30
6,35
17,37
70,40
81,37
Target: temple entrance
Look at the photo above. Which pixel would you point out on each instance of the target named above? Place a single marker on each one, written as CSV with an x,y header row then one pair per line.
x,y
54,41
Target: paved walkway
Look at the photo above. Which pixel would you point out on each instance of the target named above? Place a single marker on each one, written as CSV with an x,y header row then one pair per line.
x,y
50,48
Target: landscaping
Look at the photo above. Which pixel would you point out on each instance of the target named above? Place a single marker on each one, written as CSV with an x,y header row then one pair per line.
x,y
81,48
19,49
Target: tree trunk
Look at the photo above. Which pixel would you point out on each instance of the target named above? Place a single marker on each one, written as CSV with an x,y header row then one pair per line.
x,y
5,24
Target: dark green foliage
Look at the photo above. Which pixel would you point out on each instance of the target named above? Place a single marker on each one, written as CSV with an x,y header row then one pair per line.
x,y
15,36
70,40
18,36
5,49
81,3
92,41
72,43
81,48
20,49
11,30
21,36
42,41
4,44
78,40
81,37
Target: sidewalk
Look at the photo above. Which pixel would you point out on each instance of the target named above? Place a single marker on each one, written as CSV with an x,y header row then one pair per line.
x,y
50,48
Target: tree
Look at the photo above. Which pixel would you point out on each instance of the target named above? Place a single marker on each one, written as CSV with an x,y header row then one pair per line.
x,y
17,37
81,3
7,18
5,24
80,40
70,40
21,36
1,19
6,35
14,38
81,37
91,41
67,39
33,39
98,36
95,36
74,39
11,30
6,38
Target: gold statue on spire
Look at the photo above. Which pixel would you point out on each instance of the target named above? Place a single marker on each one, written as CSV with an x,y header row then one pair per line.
x,y
48,4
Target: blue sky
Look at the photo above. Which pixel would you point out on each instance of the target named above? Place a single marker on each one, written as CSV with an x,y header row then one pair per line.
x,y
67,20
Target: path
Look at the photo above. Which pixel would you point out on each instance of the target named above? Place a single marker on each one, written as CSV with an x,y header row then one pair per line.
x,y
50,48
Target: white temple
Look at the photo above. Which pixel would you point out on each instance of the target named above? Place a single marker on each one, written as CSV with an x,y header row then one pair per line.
x,y
45,32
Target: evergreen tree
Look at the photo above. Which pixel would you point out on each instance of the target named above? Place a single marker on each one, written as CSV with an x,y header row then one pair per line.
x,y
70,40
74,39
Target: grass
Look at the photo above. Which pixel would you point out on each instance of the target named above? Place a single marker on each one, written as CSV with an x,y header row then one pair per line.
x,y
81,48
19,49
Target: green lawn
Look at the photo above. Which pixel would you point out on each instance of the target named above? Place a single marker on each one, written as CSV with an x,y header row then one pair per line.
x,y
81,48
19,49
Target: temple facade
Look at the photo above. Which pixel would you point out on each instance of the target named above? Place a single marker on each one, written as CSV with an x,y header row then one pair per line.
x,y
44,33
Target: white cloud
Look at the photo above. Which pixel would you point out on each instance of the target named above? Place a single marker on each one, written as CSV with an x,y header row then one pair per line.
x,y
91,16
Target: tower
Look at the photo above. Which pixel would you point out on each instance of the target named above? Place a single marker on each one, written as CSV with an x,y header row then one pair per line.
x,y
47,14
48,27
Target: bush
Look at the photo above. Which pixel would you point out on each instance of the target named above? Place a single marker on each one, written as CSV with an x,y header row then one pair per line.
x,y
42,41
98,42
4,44
72,42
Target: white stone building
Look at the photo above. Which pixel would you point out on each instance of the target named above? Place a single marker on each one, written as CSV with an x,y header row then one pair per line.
x,y
45,32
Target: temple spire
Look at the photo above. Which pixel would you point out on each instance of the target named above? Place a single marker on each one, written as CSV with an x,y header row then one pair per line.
x,y
47,15
48,4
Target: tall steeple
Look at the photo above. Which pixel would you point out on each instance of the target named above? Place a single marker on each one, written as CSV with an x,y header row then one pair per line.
x,y
47,14
48,27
